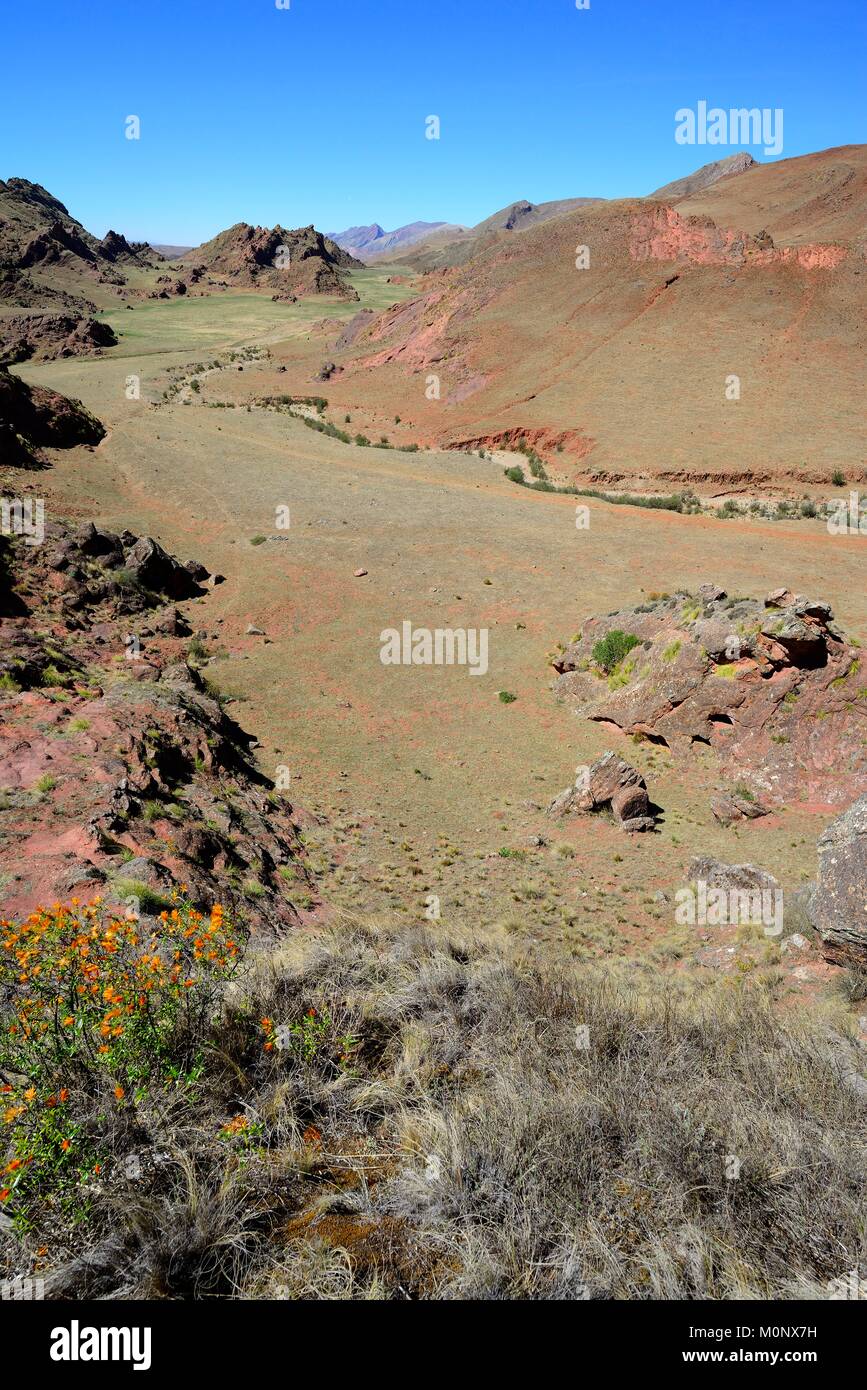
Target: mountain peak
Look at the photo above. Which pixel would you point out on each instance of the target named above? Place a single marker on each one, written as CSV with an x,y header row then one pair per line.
x,y
705,176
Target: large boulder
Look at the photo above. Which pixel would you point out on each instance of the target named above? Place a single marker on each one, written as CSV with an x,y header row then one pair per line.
x,y
838,906
717,874
160,572
613,783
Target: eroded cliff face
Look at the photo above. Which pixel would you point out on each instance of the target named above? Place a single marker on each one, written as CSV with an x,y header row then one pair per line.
x,y
662,234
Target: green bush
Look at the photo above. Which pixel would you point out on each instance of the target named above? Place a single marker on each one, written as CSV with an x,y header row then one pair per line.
x,y
613,647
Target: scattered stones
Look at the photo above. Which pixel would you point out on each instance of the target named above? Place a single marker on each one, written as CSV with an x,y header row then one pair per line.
x,y
359,574
253,631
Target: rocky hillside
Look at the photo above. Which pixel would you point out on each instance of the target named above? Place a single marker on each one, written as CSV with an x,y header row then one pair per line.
x,y
292,263
124,776
48,336
39,236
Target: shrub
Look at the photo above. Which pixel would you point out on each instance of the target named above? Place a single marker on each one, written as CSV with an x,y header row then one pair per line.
x,y
613,647
95,1007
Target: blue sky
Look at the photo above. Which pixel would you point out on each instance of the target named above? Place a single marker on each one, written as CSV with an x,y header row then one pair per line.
x,y
316,113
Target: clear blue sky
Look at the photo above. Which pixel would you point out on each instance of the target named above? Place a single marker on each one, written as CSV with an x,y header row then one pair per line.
x,y
316,113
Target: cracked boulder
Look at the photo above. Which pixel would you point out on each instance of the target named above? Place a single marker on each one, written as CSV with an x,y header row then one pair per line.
x,y
609,784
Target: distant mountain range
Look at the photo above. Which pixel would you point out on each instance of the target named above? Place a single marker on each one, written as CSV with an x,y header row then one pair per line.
x,y
370,242
170,253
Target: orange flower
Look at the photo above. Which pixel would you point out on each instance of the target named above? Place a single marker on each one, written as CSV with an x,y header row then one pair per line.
x,y
119,1093
4,1193
65,1145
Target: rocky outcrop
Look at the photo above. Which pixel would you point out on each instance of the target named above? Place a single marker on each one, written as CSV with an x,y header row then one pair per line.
x,y
292,263
352,329
115,247
49,245
609,784
48,336
838,904
736,805
124,775
32,418
774,687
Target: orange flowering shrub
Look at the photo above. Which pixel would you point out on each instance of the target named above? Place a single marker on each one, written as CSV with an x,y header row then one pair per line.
x,y
93,1004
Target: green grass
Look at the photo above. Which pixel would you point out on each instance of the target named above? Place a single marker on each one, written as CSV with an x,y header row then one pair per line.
x,y
200,323
149,899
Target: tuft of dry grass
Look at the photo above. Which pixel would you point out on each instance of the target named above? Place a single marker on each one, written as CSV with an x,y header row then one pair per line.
x,y
447,1120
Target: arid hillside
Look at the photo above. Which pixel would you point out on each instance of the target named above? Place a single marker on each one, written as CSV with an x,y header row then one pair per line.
x,y
717,342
